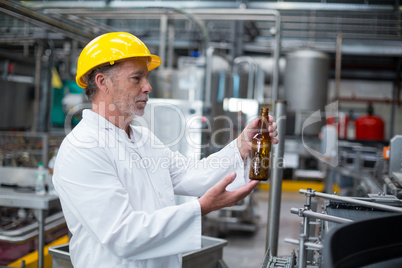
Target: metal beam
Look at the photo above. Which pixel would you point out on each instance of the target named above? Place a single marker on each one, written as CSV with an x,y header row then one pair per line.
x,y
215,4
25,14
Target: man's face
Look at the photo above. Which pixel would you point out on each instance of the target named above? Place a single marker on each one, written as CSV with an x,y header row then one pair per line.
x,y
130,87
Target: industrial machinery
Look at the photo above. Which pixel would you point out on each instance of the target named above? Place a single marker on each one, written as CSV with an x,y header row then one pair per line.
x,y
352,231
337,211
25,216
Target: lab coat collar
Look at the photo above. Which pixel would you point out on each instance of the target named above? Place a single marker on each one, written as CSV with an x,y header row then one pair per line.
x,y
102,123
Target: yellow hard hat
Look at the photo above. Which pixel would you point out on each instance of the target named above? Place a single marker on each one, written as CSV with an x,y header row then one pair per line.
x,y
112,47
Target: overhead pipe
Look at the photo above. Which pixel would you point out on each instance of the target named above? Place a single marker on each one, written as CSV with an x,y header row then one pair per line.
x,y
251,73
254,15
255,84
20,12
195,15
207,51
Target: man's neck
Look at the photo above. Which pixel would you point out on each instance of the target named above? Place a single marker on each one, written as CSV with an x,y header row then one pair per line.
x,y
113,115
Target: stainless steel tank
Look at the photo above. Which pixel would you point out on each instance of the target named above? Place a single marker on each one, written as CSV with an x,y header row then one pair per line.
x,y
306,86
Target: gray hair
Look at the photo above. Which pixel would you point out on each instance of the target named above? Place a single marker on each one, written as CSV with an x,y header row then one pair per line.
x,y
89,78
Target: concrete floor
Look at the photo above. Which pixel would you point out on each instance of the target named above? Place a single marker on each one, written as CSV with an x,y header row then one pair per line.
x,y
247,250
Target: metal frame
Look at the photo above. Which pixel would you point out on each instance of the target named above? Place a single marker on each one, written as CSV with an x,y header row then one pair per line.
x,y
306,242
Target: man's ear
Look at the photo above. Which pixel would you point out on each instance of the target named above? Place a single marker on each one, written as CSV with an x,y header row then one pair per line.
x,y
100,80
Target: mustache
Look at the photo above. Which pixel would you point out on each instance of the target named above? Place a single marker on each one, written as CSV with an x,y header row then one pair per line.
x,y
144,98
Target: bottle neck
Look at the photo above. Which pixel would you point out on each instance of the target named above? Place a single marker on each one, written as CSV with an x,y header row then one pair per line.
x,y
263,124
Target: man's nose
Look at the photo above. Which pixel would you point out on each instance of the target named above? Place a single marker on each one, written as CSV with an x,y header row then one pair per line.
x,y
147,88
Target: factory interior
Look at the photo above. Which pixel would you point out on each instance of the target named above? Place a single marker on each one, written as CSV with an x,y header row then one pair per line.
x,y
328,70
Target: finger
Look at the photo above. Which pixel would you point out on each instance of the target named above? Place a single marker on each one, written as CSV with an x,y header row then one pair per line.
x,y
274,140
273,134
251,129
272,127
246,189
271,119
226,181
249,186
253,183
254,123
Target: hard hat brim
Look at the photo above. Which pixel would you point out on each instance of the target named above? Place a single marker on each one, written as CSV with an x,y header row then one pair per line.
x,y
155,62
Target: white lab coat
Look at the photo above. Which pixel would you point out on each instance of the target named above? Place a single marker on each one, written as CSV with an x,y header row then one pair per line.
x,y
117,195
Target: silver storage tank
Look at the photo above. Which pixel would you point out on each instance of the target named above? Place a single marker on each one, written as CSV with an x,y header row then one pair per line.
x,y
306,87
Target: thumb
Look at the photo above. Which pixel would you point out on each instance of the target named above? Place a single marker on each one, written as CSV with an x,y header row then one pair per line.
x,y
252,127
254,124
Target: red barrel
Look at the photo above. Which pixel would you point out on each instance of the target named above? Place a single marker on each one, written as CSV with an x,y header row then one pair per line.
x,y
369,127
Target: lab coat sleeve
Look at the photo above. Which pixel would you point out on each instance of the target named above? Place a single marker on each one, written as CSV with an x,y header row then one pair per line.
x,y
87,184
194,177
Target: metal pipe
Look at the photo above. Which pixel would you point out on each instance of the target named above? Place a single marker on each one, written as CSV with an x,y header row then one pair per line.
x,y
171,38
305,228
259,84
47,91
25,14
395,96
302,256
38,68
31,235
196,15
275,189
307,244
33,226
277,5
208,76
41,238
391,186
338,65
355,201
162,40
43,87
316,215
374,100
252,66
277,53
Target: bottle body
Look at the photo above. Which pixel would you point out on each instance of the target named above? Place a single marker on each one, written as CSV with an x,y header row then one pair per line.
x,y
40,180
261,150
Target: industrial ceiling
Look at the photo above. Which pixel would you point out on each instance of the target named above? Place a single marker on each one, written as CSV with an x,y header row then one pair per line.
x,y
367,32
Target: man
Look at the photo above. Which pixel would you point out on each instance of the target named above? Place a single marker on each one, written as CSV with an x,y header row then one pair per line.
x,y
120,211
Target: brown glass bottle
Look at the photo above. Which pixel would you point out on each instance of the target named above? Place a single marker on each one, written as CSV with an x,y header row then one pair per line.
x,y
261,149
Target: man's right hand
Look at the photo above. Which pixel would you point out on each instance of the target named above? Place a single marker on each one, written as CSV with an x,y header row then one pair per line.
x,y
218,197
